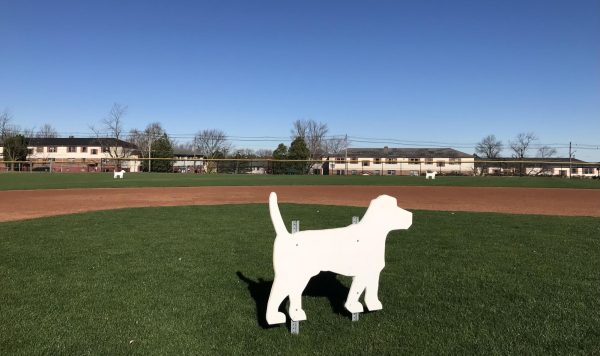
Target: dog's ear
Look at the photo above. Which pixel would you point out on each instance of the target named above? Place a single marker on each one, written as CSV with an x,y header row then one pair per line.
x,y
385,201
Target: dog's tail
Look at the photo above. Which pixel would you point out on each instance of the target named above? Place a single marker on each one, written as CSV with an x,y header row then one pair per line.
x,y
276,218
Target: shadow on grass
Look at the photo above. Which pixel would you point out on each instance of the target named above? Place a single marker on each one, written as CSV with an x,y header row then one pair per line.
x,y
325,284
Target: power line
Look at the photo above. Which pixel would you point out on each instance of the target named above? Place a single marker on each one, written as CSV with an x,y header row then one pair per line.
x,y
362,140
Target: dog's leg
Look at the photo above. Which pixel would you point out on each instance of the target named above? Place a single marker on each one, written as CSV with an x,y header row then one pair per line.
x,y
371,299
274,316
356,289
296,312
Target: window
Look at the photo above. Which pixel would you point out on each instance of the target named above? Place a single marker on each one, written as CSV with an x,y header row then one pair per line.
x,y
377,172
104,149
83,149
391,173
454,161
377,161
71,149
340,160
574,170
428,160
30,151
39,149
94,151
441,163
354,173
392,160
588,171
414,160
51,149
354,160
366,163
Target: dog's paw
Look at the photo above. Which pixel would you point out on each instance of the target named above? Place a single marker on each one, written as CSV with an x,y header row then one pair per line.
x,y
276,318
355,307
374,305
297,314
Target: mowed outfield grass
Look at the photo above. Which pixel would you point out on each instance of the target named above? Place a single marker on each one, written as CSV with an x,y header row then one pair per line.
x,y
195,280
12,181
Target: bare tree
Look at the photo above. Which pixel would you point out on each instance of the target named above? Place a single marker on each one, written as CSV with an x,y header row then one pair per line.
x,y
489,147
212,144
264,153
546,152
335,145
313,134
13,140
5,124
185,147
111,135
46,131
520,146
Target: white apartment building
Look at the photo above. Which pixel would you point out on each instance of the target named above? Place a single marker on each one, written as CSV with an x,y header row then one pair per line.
x,y
73,154
398,161
559,166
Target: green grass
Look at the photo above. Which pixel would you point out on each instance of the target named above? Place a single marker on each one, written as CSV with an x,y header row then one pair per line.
x,y
195,280
11,181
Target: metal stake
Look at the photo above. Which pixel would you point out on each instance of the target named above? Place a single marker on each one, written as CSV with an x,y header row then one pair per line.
x,y
355,316
295,327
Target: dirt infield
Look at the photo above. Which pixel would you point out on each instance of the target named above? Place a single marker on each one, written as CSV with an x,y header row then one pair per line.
x,y
26,204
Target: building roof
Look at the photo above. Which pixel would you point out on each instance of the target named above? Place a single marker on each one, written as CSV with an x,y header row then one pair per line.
x,y
78,141
562,161
529,159
387,152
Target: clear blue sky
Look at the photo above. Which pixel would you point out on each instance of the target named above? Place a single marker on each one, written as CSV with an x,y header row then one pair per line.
x,y
445,71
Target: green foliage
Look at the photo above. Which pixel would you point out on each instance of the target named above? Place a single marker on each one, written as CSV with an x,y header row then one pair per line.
x,y
243,165
190,280
161,148
280,153
15,149
298,149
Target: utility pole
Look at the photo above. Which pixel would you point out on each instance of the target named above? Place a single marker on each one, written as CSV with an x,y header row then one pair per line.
x,y
149,153
346,155
570,159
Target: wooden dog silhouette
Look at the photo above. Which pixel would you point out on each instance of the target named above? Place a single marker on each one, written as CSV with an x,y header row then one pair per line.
x,y
119,174
357,251
430,175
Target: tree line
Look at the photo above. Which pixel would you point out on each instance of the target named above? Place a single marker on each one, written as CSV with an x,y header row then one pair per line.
x,y
490,148
308,138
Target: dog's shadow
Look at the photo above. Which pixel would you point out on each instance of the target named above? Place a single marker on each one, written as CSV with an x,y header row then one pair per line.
x,y
325,284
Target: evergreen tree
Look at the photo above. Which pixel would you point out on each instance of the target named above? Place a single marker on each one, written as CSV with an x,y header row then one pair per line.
x,y
299,151
280,153
161,148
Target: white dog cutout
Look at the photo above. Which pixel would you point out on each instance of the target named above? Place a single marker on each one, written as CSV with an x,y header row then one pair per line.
x,y
119,174
357,251
430,175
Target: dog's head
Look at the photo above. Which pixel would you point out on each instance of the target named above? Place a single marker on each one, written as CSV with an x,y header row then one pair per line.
x,y
385,210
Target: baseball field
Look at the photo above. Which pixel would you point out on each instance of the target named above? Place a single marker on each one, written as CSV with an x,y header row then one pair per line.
x,y
174,264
